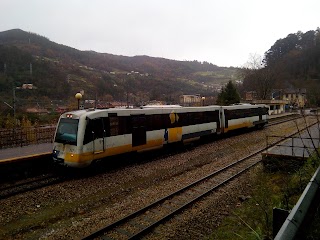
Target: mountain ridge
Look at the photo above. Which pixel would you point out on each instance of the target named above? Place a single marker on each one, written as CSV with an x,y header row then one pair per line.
x,y
55,64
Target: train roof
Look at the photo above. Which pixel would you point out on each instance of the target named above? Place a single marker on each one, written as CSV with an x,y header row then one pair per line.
x,y
161,106
244,106
153,109
95,113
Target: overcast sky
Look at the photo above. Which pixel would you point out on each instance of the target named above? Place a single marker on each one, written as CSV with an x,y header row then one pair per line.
x,y
223,32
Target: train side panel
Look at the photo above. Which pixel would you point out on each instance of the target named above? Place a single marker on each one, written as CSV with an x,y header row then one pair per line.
x,y
244,116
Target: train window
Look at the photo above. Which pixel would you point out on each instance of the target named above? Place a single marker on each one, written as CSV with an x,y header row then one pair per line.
x,y
139,136
114,126
242,113
183,119
166,120
88,135
67,131
124,125
212,116
106,126
94,130
149,124
97,127
195,118
154,122
138,121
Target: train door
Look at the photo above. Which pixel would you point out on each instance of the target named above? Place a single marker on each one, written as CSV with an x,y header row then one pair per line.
x,y
260,111
225,120
98,134
139,132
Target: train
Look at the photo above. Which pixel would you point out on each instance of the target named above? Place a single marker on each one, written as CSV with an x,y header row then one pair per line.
x,y
85,136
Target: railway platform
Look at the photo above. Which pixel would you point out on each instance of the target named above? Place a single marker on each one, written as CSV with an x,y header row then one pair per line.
x,y
13,155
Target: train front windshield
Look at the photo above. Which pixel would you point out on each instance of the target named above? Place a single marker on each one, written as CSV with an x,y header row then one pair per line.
x,y
67,131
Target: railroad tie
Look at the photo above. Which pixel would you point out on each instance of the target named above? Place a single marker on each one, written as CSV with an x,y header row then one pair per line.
x,y
124,232
137,225
107,238
147,219
169,207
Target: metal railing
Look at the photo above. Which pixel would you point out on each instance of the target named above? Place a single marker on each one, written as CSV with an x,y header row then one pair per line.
x,y
292,227
19,137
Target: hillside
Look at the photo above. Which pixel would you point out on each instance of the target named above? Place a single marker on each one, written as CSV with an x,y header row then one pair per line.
x,y
292,63
59,71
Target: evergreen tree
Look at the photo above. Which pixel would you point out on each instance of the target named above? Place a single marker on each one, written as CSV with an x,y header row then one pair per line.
x,y
228,95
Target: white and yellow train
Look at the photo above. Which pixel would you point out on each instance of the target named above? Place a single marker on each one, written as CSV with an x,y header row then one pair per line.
x,y
87,135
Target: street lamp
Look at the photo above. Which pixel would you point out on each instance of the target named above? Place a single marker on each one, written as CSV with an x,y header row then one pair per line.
x,y
203,98
78,96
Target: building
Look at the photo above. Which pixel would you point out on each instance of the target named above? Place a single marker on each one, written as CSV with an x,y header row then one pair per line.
x,y
36,110
296,98
27,86
275,106
251,95
190,100
280,100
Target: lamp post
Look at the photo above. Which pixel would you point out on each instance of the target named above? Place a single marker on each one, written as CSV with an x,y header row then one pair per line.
x,y
203,98
78,96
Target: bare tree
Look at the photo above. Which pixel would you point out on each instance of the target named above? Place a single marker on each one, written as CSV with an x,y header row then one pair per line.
x,y
257,77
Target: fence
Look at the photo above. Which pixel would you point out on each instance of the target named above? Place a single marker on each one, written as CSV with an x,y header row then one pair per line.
x,y
19,137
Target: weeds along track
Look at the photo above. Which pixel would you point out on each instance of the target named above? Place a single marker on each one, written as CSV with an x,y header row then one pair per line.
x,y
144,220
30,185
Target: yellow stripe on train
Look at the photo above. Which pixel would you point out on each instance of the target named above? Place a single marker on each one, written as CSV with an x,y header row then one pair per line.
x,y
237,126
90,156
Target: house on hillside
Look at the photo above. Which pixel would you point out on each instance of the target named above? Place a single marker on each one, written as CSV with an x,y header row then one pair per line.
x,y
36,110
27,86
61,109
281,100
251,95
295,97
190,100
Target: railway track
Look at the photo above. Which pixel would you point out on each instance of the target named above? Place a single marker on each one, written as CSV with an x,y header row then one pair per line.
x,y
137,224
30,185
276,121
143,221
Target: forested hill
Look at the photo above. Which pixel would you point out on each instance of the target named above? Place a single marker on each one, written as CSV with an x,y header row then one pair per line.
x,y
298,55
58,71
292,62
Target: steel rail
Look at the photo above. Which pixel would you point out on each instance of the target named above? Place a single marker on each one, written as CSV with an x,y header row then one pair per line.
x,y
31,185
276,121
24,183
